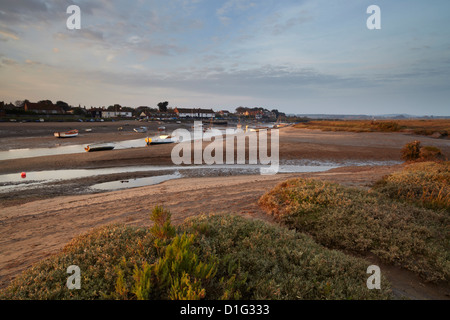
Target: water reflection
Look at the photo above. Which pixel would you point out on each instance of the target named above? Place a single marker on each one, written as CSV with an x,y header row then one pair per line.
x,y
134,183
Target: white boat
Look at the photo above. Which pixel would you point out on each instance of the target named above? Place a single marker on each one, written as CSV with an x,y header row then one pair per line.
x,y
162,139
256,129
141,129
99,147
67,134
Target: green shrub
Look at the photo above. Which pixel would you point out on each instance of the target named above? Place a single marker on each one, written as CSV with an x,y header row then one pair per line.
x,y
162,227
365,222
277,263
170,276
98,254
219,257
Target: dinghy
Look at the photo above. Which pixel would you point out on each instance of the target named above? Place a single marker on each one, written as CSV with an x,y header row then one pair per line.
x,y
162,139
99,147
67,134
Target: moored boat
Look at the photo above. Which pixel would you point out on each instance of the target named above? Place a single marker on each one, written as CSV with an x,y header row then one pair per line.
x,y
162,139
99,147
67,134
141,129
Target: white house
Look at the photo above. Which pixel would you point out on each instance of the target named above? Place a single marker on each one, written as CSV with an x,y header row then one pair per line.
x,y
194,113
116,114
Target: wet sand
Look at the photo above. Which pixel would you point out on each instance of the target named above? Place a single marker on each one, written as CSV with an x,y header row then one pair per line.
x,y
35,226
295,144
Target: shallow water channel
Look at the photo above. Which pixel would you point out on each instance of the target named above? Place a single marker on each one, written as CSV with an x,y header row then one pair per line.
x,y
35,179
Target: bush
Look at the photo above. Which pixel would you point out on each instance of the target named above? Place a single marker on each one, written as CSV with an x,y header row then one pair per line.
x,y
98,254
365,222
429,153
278,263
426,184
219,257
389,126
411,151
177,275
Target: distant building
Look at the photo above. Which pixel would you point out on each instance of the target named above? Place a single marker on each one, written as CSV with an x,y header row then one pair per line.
x,y
116,114
43,108
194,113
224,113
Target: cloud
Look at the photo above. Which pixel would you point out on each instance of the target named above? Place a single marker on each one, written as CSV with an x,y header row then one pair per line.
x,y
268,81
110,57
233,7
9,62
32,63
290,23
9,34
28,12
82,35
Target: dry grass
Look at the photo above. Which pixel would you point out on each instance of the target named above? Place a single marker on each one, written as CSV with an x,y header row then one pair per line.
x,y
423,183
421,127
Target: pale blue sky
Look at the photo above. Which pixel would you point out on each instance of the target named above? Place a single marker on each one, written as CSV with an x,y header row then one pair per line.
x,y
307,56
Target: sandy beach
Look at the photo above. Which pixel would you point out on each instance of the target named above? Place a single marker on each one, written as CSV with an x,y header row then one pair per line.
x,y
39,222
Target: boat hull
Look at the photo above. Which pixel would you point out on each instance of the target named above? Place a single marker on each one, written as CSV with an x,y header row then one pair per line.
x,y
156,141
68,134
99,147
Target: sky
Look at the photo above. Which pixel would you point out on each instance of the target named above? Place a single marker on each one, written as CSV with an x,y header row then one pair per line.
x,y
297,56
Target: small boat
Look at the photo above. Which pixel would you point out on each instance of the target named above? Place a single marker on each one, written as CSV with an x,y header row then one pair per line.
x,y
140,129
99,147
217,122
67,134
162,139
256,129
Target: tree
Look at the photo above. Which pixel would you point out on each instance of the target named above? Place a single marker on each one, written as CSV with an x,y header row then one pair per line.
x,y
163,106
241,109
277,113
19,103
46,102
64,105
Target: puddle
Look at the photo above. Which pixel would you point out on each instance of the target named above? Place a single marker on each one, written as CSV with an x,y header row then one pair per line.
x,y
134,183
40,152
